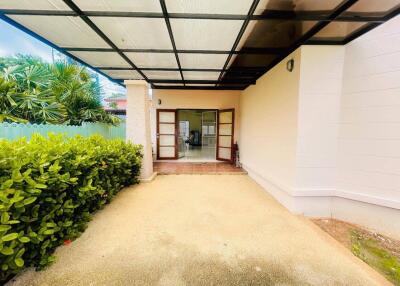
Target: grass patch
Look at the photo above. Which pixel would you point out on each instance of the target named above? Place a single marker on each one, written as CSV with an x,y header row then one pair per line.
x,y
369,250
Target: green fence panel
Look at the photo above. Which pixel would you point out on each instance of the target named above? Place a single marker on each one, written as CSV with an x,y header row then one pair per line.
x,y
14,130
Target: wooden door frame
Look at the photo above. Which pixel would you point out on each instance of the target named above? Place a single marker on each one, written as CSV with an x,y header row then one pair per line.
x,y
158,133
232,137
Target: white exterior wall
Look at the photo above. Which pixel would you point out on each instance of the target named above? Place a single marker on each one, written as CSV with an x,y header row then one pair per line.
x,y
319,108
369,130
346,162
268,134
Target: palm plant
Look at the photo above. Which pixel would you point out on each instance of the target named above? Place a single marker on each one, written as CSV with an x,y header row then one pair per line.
x,y
59,93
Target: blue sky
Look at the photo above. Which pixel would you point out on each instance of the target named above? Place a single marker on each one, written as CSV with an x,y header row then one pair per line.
x,y
14,41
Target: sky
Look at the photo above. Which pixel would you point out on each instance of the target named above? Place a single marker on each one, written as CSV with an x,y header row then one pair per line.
x,y
14,41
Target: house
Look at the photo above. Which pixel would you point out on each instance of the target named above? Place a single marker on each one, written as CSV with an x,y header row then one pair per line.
x,y
309,90
116,101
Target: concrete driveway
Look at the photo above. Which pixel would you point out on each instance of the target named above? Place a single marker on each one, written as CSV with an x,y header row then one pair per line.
x,y
201,230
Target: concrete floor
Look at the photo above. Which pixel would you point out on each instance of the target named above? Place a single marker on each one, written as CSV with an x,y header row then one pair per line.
x,y
201,230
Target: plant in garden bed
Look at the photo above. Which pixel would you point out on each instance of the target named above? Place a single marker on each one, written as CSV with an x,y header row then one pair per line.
x,y
49,187
59,93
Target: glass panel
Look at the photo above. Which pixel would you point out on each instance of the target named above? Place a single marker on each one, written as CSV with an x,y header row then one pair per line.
x,y
273,33
296,5
167,140
167,152
167,117
202,61
119,5
135,33
174,75
205,34
225,117
62,31
375,7
34,5
167,129
123,74
209,6
225,129
337,30
201,75
224,141
153,60
224,153
102,59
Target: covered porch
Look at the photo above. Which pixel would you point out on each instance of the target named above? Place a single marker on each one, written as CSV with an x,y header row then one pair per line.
x,y
305,95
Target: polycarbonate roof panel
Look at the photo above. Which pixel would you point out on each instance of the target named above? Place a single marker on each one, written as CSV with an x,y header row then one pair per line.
x,y
102,59
200,34
130,33
274,33
62,30
199,39
338,30
173,75
119,5
202,61
153,60
296,5
377,6
34,4
209,6
195,75
123,74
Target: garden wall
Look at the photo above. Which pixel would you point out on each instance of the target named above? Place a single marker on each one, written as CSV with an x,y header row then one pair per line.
x,y
12,131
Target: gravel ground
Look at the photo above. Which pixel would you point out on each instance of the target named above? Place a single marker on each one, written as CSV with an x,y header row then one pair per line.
x,y
201,230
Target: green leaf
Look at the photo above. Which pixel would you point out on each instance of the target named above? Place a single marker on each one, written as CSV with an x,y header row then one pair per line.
x,y
40,186
24,239
7,251
4,227
19,262
7,184
29,200
14,221
9,237
5,217
48,232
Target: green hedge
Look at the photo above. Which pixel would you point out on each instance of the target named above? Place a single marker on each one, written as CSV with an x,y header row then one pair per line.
x,y
49,187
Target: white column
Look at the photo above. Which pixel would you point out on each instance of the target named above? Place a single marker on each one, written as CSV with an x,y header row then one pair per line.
x,y
138,122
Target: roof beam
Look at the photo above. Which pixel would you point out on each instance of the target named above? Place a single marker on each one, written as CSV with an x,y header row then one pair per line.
x,y
234,70
268,15
199,87
261,51
89,22
171,36
227,81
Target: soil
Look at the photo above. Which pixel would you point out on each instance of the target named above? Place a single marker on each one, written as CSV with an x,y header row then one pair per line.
x,y
379,251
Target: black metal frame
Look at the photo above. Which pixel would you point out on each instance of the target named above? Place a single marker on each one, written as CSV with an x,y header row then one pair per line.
x,y
100,33
247,75
171,36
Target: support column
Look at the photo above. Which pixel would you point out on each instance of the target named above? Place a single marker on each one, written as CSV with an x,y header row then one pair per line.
x,y
138,123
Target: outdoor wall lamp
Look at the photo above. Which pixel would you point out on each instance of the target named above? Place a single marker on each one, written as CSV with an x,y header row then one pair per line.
x,y
290,65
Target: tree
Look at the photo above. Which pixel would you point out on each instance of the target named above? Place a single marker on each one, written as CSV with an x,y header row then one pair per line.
x,y
59,93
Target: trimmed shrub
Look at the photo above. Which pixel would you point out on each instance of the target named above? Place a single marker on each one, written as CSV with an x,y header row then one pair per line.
x,y
49,187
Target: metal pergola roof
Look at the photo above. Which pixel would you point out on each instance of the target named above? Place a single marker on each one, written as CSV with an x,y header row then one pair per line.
x,y
192,44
